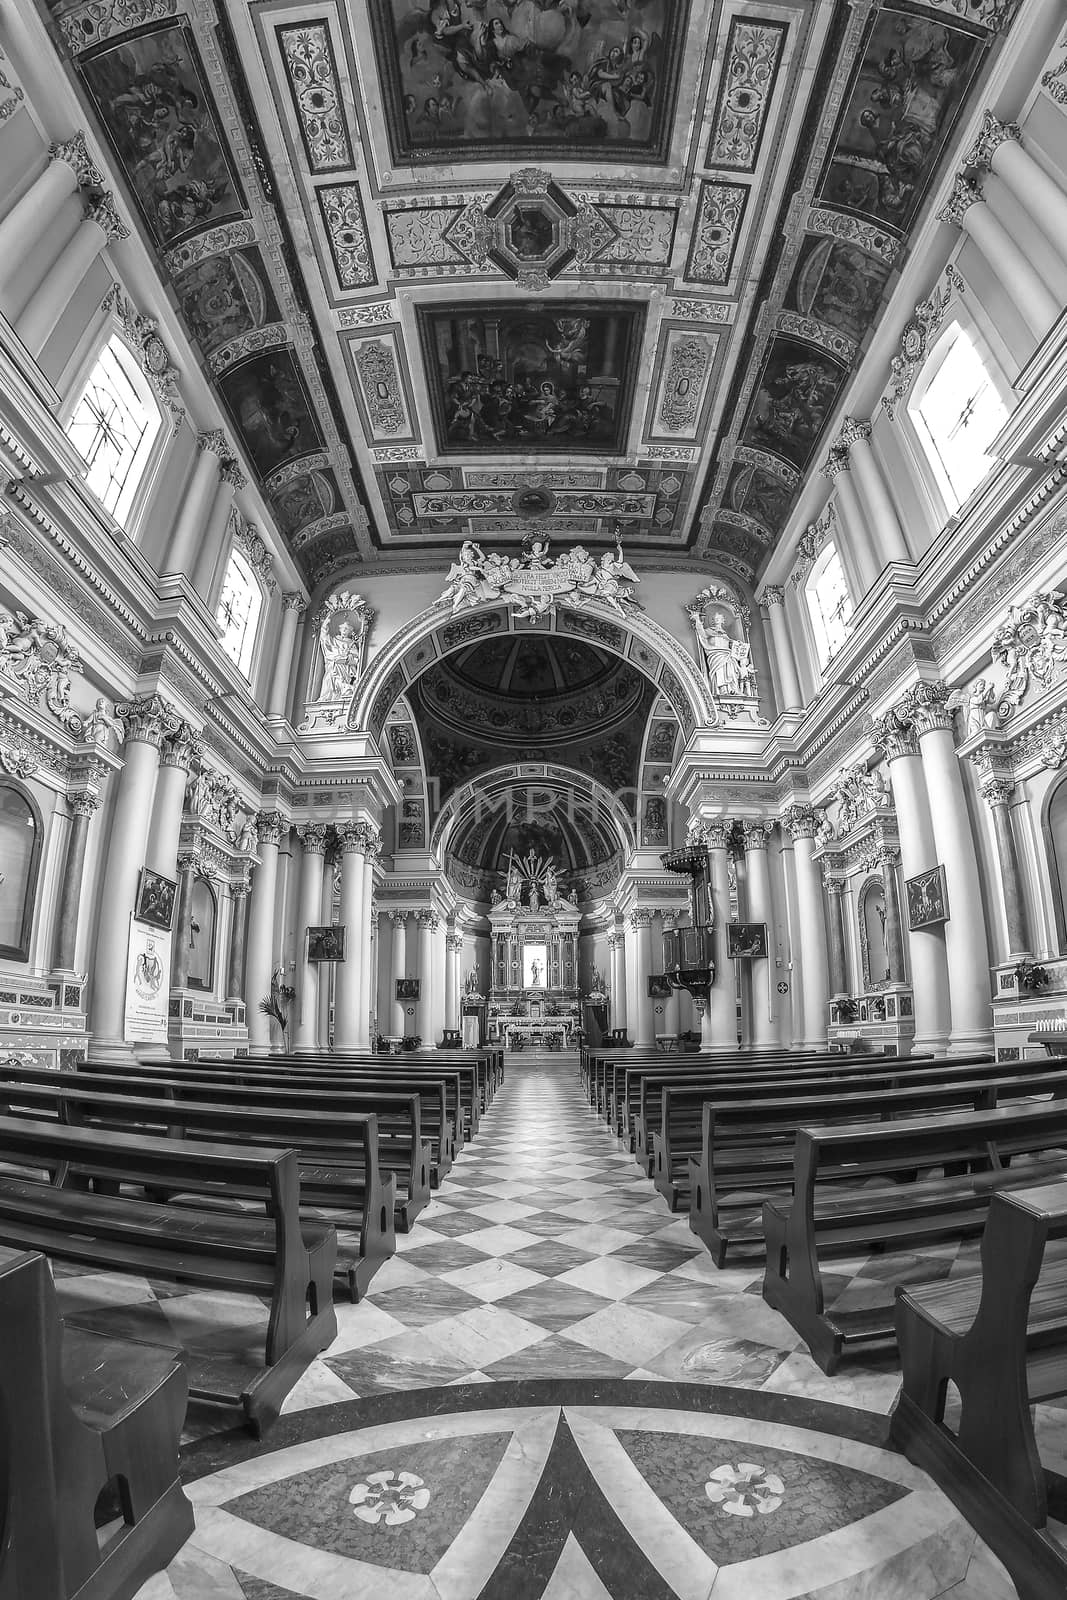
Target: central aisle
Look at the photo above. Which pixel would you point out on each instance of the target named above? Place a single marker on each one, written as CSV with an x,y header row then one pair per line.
x,y
551,1395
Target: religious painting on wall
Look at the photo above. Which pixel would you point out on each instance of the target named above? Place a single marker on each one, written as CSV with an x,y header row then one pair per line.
x,y
511,79
270,409
327,943
548,379
796,392
225,296
151,95
927,897
534,966
747,940
837,284
900,107
155,899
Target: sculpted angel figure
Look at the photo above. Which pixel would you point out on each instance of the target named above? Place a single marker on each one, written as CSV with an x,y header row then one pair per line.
x,y
550,884
514,886
245,836
464,583
977,706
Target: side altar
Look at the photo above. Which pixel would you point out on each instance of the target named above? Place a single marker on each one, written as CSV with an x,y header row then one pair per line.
x,y
534,997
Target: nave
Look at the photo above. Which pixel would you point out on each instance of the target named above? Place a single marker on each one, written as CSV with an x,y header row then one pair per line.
x,y
562,1373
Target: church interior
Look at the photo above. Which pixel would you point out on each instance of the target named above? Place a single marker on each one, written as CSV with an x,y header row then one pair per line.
x,y
533,799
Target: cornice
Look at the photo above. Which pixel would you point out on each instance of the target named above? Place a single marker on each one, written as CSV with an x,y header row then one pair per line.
x,y
32,509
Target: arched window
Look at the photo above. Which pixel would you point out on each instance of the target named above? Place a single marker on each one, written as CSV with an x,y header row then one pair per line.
x,y
829,603
114,426
1056,842
20,853
957,411
240,608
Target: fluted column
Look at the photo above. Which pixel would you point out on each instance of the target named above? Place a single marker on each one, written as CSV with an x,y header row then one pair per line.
x,y
810,947
177,753
758,909
453,950
42,311
82,807
773,598
399,920
858,556
918,853
238,932
349,997
834,882
313,837
996,792
642,1030
965,935
718,1027
69,168
427,921
619,992
146,721
887,536
293,607
967,210
198,498
259,960
998,149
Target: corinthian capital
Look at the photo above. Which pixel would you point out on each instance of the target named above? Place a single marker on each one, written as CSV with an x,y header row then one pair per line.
x,y
313,837
836,461
799,822
269,827
230,472
102,212
895,735
148,718
850,431
294,602
75,153
964,195
992,135
924,707
182,746
755,832
215,440
357,838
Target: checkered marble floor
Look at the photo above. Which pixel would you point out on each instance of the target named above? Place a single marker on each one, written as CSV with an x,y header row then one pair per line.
x,y
546,1254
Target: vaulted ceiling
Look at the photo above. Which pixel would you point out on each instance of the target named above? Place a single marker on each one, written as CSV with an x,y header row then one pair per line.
x,y
479,268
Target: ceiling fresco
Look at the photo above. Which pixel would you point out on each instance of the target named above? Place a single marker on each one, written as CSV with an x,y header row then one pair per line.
x,y
477,267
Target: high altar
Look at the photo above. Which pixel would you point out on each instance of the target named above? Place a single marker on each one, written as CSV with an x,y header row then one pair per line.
x,y
534,997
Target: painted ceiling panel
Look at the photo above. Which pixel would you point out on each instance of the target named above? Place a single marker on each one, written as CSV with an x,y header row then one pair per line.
x,y
482,268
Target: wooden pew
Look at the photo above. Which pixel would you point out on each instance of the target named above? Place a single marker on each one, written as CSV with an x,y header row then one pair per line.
x,y
402,1152
471,1075
829,1211
276,1256
1001,1337
338,1152
80,1412
747,1151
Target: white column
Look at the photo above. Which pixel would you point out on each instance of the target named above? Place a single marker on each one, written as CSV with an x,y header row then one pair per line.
x,y
620,993
854,535
39,316
197,500
146,721
918,853
758,909
349,998
773,597
427,921
313,837
809,940
293,607
178,751
887,536
231,480
718,1028
327,970
439,960
642,1028
998,149
399,920
259,956
966,948
967,210
453,949
367,944
670,1005
69,168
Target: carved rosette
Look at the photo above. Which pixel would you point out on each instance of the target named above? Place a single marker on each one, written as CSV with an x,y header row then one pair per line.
x,y
312,836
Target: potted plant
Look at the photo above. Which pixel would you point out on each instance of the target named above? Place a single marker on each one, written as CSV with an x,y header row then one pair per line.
x,y
412,1041
1031,975
845,1008
276,1004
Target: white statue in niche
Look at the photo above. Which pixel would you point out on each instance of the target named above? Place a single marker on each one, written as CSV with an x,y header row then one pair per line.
x,y
728,660
343,624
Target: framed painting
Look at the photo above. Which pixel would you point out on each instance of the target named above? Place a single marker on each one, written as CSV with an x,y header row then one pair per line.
x,y
746,940
534,966
327,943
927,898
793,399
532,378
151,94
155,899
594,81
408,988
271,410
658,987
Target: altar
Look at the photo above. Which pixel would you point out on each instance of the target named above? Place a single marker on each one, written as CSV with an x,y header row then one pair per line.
x,y
534,998
551,1033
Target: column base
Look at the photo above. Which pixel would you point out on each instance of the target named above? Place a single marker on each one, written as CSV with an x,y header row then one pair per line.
x,y
934,1044
717,1047
114,1053
967,1044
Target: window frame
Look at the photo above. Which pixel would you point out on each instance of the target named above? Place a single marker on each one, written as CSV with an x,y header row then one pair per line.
x,y
248,672
133,511
816,631
924,449
21,952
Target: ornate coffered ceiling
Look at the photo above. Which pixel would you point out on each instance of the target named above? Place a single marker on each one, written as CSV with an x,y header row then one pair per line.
x,y
486,267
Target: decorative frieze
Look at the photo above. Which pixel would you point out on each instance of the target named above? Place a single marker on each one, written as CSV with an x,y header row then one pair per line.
x,y
859,792
247,539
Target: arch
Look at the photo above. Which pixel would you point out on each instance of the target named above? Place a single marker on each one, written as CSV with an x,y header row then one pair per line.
x,y
435,633
21,836
203,931
874,952
1054,833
